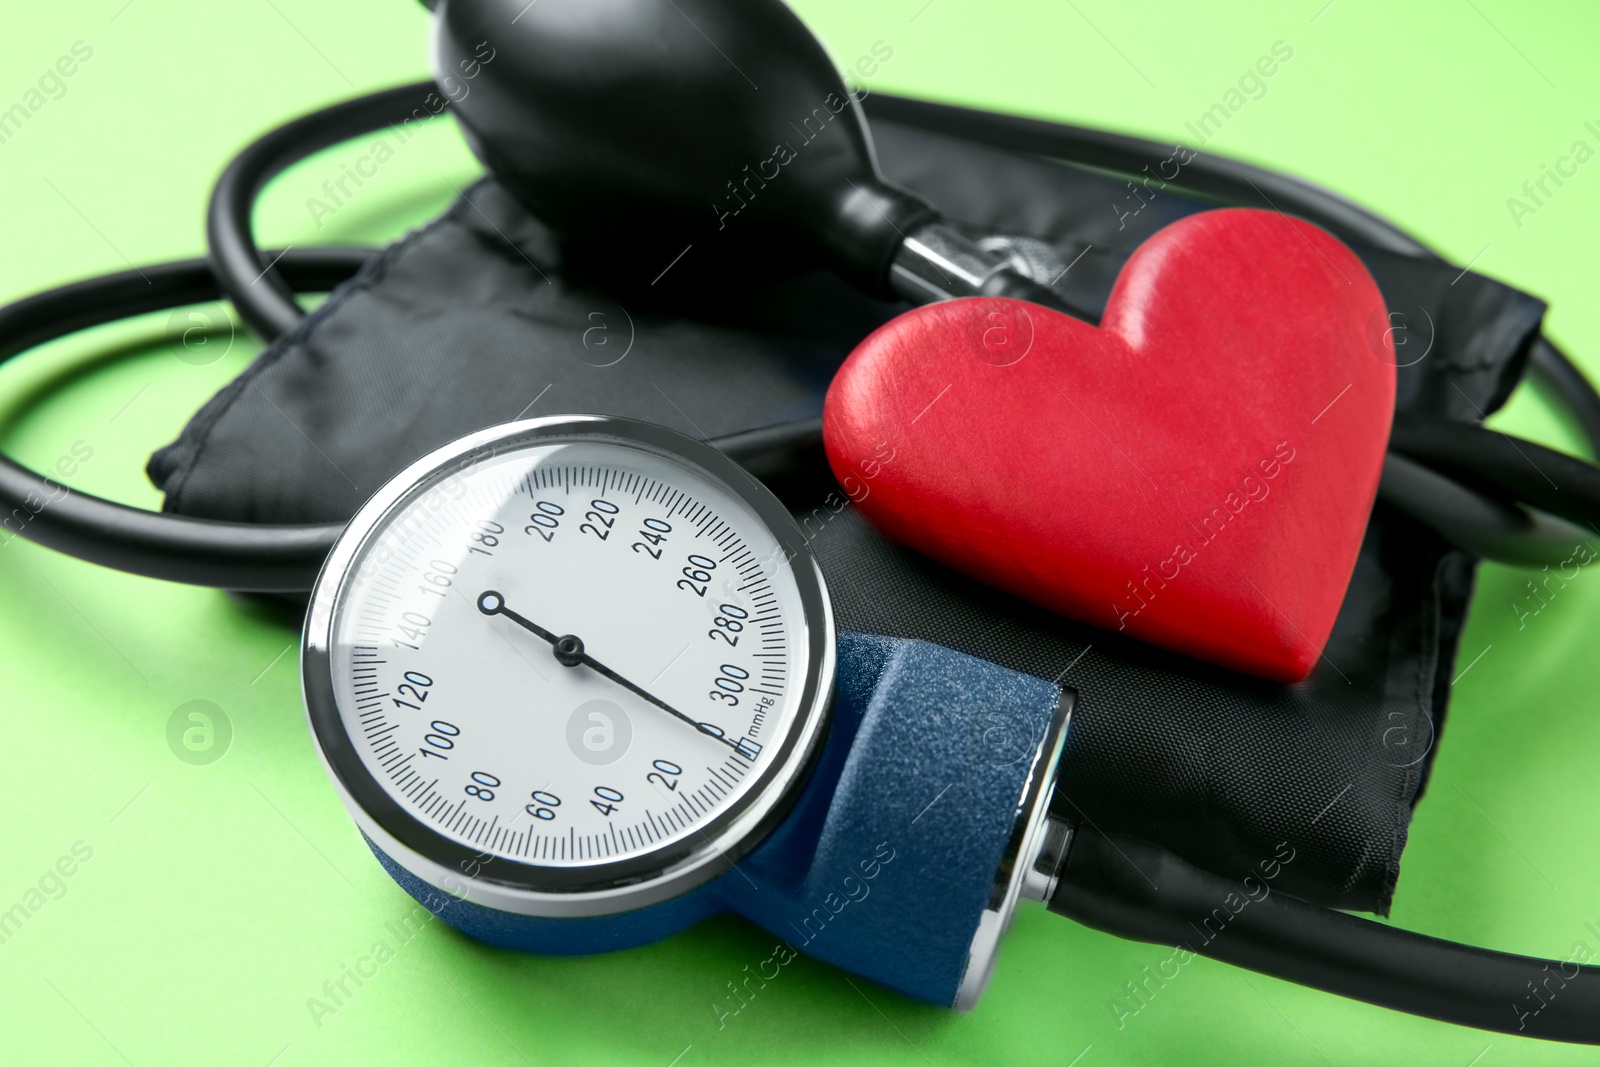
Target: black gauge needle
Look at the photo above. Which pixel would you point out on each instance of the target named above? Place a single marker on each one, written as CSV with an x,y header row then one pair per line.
x,y
569,652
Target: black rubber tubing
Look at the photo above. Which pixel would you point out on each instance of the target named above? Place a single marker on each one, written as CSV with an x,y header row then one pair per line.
x,y
1550,364
1208,175
262,295
1478,522
1136,890
1542,477
242,556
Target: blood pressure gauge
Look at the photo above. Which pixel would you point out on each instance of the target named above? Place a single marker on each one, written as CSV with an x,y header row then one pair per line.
x,y
573,666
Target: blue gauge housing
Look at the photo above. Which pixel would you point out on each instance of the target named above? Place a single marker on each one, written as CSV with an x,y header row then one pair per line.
x,y
903,856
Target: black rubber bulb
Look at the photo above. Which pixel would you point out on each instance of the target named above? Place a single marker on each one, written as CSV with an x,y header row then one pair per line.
x,y
656,125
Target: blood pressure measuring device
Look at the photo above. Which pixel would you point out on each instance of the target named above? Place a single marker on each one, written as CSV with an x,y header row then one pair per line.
x,y
577,679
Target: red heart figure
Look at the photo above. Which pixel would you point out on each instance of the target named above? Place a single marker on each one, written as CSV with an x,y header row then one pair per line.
x,y
1196,473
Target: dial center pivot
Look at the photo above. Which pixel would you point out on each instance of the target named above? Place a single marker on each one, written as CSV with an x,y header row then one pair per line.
x,y
569,650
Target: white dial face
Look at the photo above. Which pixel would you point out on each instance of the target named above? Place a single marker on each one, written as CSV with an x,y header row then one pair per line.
x,y
571,653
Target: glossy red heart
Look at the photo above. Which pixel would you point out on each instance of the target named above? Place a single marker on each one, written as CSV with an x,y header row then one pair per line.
x,y
1196,473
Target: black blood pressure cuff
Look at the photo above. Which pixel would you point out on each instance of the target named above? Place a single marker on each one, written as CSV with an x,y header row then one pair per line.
x,y
481,318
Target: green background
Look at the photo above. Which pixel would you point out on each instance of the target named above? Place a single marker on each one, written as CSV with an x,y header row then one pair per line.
x,y
219,898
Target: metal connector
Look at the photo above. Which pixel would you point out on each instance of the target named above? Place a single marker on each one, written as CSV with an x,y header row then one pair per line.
x,y
937,262
1044,870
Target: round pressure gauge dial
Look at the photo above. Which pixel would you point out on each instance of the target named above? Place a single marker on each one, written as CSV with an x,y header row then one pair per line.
x,y
569,666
